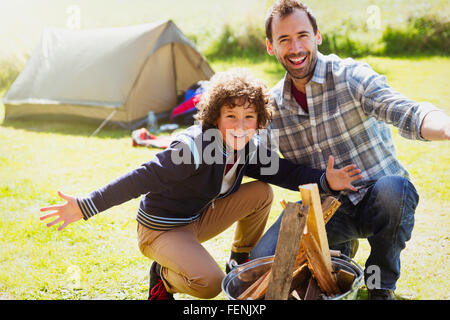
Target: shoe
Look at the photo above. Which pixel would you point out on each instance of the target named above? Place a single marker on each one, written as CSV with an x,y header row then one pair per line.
x,y
381,294
157,290
354,244
236,258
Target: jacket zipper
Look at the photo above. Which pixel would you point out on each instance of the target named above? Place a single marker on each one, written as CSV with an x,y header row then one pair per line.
x,y
217,195
234,184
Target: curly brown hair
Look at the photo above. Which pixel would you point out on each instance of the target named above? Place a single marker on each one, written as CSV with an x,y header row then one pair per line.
x,y
234,88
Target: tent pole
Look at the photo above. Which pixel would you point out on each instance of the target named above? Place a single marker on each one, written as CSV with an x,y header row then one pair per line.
x,y
172,49
103,123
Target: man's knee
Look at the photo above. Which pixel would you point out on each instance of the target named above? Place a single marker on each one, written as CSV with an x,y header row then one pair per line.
x,y
396,193
395,203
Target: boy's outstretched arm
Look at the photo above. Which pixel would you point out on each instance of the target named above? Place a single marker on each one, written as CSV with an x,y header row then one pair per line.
x,y
289,175
66,213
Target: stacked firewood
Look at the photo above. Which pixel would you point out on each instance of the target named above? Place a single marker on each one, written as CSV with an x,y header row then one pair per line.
x,y
302,267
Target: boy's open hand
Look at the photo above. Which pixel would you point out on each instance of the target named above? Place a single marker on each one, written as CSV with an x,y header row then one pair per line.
x,y
341,179
67,213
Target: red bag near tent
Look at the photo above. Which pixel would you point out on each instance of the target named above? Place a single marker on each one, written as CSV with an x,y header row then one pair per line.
x,y
141,137
184,113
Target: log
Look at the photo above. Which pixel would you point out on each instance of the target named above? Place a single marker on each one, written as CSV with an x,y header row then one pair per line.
x,y
259,288
313,291
300,280
329,207
318,266
315,222
345,280
335,253
291,230
301,274
254,291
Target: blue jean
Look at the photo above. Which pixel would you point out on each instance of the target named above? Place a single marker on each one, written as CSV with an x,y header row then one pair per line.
x,y
385,217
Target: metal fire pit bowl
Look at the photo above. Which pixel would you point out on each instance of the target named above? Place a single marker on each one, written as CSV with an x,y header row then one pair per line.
x,y
242,277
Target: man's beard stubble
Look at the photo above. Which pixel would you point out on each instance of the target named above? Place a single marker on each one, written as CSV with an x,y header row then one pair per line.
x,y
293,73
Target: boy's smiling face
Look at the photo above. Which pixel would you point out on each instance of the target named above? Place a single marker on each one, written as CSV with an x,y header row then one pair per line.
x,y
237,124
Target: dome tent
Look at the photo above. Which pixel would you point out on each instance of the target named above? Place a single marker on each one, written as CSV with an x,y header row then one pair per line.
x,y
115,73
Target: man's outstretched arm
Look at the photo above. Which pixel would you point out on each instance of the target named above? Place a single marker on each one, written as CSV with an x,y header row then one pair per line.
x,y
435,126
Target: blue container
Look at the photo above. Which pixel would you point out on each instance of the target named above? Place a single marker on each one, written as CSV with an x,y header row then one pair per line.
x,y
152,122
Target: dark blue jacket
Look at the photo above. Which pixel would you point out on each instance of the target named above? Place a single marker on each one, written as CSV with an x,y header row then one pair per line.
x,y
180,182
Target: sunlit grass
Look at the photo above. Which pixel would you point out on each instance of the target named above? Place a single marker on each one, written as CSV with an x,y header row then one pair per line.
x,y
99,258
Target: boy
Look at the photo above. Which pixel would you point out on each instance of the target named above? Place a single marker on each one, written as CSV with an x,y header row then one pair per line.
x,y
193,189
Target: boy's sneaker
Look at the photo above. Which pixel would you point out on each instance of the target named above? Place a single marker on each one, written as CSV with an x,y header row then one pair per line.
x,y
236,258
157,290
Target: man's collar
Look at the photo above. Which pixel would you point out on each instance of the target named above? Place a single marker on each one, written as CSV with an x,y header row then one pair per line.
x,y
320,70
282,90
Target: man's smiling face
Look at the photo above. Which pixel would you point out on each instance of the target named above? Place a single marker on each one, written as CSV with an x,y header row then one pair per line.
x,y
294,44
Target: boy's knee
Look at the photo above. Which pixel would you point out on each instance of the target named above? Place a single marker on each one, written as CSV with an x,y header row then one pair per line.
x,y
208,285
259,193
264,191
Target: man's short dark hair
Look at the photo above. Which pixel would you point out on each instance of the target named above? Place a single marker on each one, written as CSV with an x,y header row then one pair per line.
x,y
283,8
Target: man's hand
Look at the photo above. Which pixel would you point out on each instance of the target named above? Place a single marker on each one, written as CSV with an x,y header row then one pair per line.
x,y
67,213
341,179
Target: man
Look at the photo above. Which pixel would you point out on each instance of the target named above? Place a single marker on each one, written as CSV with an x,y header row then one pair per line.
x,y
329,106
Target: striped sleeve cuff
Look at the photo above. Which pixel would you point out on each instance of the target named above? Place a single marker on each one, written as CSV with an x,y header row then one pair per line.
x,y
87,207
325,186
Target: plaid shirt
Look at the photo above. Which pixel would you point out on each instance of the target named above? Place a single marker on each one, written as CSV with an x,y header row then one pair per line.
x,y
350,107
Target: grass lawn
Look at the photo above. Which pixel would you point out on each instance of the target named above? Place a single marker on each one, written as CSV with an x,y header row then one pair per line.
x,y
99,258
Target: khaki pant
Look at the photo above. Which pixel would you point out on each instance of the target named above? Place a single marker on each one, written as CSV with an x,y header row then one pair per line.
x,y
186,265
